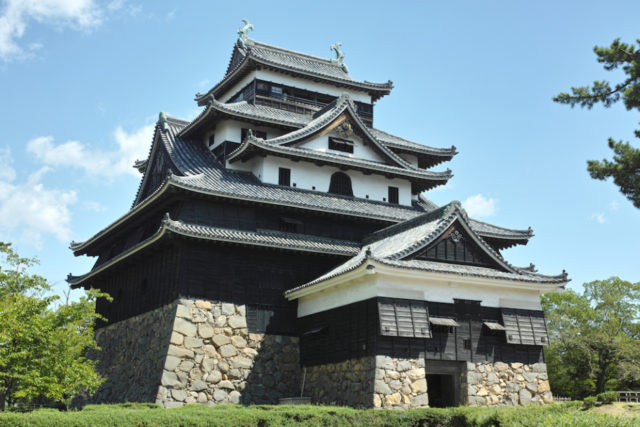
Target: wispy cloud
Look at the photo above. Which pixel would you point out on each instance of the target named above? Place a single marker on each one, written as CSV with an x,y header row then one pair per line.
x,y
131,146
30,208
599,218
614,205
480,206
16,15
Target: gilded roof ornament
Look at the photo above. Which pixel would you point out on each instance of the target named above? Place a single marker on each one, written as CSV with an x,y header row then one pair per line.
x,y
243,33
339,56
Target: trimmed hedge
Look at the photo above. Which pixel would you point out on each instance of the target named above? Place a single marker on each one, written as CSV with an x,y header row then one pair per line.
x,y
232,415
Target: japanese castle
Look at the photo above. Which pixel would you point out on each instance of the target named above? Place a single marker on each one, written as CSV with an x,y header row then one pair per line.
x,y
281,245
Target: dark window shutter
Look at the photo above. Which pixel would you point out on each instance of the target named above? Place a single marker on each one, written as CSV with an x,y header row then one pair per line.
x,y
284,176
393,195
340,184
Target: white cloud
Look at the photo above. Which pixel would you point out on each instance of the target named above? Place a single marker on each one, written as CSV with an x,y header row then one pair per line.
x,y
30,208
480,206
614,205
599,218
108,164
92,206
17,14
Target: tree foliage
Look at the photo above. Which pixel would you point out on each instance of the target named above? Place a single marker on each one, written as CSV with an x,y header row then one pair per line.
x,y
595,338
624,168
42,348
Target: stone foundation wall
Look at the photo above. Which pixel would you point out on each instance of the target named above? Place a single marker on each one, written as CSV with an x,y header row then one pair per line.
x,y
212,358
400,383
132,355
347,383
507,384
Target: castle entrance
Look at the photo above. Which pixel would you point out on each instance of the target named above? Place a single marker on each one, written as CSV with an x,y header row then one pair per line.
x,y
443,383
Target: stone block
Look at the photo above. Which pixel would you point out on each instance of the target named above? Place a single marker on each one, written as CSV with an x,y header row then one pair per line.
x,y
205,305
384,362
186,365
513,387
191,342
219,395
220,321
377,402
419,401
171,404
404,365
482,392
183,311
179,395
500,366
205,330
176,338
539,367
524,397
169,379
202,397
214,377
395,384
532,387
179,351
394,399
381,387
495,389
234,397
228,309
492,378
228,350
474,378
547,397
241,363
171,363
419,386
476,401
220,340
416,374
237,322
543,386
516,365
226,384
195,373
185,327
238,342
198,385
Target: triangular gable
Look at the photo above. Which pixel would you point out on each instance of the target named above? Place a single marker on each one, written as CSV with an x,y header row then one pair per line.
x,y
456,245
236,57
342,118
159,165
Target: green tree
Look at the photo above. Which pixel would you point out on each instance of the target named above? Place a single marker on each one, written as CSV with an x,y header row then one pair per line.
x,y
624,168
595,337
42,347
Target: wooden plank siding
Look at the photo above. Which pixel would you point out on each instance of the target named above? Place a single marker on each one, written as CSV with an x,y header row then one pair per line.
x,y
335,327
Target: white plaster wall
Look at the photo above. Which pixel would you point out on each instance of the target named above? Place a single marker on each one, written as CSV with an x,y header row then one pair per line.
x,y
299,83
423,289
231,130
360,151
308,175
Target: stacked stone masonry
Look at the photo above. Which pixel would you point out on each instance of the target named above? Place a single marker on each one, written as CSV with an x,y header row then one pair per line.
x,y
400,383
212,359
345,383
507,384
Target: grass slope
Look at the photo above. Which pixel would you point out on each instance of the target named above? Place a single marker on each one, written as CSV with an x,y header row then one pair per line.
x,y
568,414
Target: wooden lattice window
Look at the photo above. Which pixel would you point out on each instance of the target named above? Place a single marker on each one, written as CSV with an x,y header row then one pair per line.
x,y
340,184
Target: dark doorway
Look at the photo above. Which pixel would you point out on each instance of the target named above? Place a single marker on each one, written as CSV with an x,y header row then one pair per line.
x,y
441,390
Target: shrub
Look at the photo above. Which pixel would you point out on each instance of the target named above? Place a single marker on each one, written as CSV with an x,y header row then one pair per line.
x,y
607,397
589,402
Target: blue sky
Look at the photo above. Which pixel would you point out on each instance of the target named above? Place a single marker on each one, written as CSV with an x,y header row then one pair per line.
x,y
82,82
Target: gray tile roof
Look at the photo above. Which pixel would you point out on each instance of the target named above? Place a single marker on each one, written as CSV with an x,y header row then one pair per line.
x,y
290,61
200,172
391,245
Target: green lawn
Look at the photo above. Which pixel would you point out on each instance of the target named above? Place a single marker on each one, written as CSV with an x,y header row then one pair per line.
x,y
567,414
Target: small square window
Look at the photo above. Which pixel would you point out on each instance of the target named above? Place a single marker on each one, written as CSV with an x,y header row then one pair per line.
x,y
343,145
284,176
393,195
467,344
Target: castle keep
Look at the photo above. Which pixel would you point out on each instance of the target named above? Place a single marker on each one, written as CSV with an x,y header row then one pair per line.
x,y
281,238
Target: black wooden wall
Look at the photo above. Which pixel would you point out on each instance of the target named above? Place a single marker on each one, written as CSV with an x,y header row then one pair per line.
x,y
331,333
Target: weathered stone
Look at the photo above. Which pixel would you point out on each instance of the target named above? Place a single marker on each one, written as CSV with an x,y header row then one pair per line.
x,y
190,399
525,396
191,342
476,401
226,384
169,379
482,392
516,365
421,400
228,309
474,378
493,400
205,330
241,362
228,350
395,384
512,387
547,397
171,363
381,387
202,397
237,322
219,395
179,351
543,386
404,365
250,352
495,389
195,373
198,385
377,402
176,338
234,397
492,378
186,365
384,362
179,395
205,305
500,366
220,340
416,374
419,386
214,377
532,387
238,342
182,311
220,321
185,327
393,399
539,367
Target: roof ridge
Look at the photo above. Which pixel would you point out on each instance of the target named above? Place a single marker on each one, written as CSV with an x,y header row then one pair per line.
x,y
285,50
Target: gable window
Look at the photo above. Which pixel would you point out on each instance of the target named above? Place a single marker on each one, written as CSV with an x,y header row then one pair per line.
x,y
257,133
340,184
284,176
339,144
393,195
